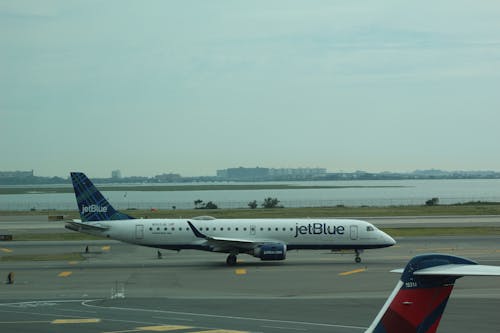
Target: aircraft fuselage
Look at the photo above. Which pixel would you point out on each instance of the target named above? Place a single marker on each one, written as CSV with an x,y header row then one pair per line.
x,y
295,233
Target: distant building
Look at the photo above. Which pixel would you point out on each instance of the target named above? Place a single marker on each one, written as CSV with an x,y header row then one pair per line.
x,y
242,173
116,174
258,173
168,178
297,172
16,174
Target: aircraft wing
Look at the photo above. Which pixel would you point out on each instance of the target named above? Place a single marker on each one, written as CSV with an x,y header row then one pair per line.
x,y
77,225
223,242
457,270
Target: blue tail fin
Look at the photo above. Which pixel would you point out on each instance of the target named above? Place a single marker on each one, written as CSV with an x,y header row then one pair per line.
x,y
92,206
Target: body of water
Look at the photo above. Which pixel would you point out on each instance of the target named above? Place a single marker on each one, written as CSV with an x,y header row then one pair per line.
x,y
376,193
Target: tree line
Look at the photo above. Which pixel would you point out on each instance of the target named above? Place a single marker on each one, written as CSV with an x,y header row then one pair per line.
x,y
267,203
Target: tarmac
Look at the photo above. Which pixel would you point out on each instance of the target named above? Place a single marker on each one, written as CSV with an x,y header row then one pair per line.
x,y
116,287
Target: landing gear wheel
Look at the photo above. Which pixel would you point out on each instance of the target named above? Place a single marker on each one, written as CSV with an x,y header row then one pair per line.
x,y
231,260
358,258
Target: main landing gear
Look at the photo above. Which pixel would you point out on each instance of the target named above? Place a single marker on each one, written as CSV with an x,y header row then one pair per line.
x,y
231,259
357,259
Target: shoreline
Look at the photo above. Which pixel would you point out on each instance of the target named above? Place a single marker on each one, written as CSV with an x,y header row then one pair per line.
x,y
468,209
171,188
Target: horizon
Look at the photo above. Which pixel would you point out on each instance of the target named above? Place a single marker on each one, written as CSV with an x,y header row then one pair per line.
x,y
424,171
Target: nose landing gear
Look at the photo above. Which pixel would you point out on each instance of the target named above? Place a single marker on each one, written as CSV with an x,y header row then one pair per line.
x,y
357,259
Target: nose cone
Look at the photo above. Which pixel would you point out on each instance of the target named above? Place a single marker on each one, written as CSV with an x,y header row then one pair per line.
x,y
388,240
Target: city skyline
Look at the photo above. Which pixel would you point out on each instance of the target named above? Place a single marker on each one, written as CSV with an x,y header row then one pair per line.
x,y
273,173
194,86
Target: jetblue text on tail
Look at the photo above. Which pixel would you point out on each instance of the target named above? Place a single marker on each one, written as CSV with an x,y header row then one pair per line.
x,y
94,209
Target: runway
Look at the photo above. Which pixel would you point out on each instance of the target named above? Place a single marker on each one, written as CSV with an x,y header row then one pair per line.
x,y
117,287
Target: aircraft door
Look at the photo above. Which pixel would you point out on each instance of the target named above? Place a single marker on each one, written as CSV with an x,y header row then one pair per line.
x,y
354,232
139,231
252,230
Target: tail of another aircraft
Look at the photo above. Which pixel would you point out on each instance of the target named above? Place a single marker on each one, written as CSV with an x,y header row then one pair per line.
x,y
91,203
420,297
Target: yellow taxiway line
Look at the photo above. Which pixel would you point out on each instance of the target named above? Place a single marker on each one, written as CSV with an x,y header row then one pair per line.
x,y
359,270
76,321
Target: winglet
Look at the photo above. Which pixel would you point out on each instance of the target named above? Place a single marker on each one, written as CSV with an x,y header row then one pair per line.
x,y
420,297
196,232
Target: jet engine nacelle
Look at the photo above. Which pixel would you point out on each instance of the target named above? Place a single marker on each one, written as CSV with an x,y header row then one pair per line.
x,y
274,251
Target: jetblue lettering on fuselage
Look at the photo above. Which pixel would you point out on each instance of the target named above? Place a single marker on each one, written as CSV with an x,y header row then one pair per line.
x,y
319,229
94,209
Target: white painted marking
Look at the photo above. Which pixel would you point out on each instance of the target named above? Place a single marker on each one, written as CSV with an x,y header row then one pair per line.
x,y
86,303
286,328
43,303
173,318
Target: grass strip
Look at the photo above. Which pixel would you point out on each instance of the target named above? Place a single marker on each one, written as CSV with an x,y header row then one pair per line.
x,y
425,232
471,208
63,236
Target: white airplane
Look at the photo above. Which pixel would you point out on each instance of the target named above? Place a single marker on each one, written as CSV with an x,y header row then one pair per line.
x,y
420,297
267,239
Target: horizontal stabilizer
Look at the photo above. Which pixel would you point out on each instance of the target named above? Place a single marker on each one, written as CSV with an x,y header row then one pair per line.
x,y
78,226
460,270
456,270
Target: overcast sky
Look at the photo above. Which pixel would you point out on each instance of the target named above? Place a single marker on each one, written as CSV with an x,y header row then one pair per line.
x,y
190,87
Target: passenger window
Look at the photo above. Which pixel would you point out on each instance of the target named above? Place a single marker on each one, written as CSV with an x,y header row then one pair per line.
x,y
276,229
236,228
229,229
